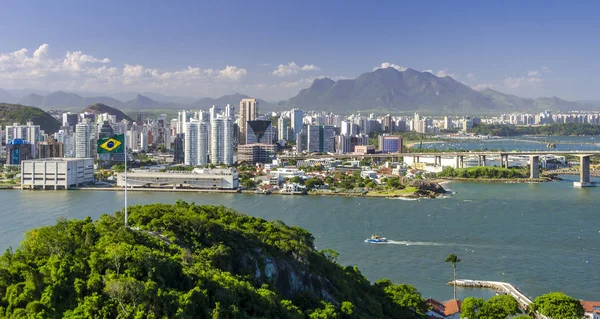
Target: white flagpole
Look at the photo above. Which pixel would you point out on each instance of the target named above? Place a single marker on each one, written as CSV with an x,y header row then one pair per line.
x,y
125,152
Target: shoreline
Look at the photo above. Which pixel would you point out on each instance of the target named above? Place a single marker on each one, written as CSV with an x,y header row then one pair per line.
x,y
498,180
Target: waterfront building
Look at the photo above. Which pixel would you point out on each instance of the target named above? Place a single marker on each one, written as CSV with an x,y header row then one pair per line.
x,y
223,178
256,153
221,140
56,173
248,112
196,144
178,149
259,131
296,116
390,144
321,138
18,150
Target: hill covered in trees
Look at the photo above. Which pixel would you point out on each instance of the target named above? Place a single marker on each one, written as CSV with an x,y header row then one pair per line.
x,y
562,129
188,261
15,113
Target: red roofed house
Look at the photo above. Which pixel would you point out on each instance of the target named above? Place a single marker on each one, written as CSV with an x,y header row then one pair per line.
x,y
592,309
448,310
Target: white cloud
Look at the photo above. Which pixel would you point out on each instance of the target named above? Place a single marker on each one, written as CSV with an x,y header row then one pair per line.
x,y
293,68
79,71
533,73
471,76
386,65
443,73
520,82
546,69
482,86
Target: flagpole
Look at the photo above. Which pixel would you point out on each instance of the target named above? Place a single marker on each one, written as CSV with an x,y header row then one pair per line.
x,y
125,152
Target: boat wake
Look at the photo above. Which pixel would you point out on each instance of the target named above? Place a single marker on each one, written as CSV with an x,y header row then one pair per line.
x,y
415,243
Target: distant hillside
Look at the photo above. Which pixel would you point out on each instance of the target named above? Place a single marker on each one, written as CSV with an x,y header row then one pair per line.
x,y
63,100
99,108
390,90
142,102
233,99
5,97
14,113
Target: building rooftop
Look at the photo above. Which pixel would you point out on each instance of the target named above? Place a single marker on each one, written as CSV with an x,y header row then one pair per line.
x,y
57,159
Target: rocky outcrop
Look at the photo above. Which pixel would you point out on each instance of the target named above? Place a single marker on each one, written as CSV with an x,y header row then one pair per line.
x,y
427,188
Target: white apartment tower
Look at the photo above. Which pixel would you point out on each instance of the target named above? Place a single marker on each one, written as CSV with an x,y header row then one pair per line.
x,y
248,112
83,134
29,132
196,143
221,140
282,129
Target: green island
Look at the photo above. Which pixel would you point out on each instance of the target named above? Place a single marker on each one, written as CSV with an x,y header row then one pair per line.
x,y
489,174
562,129
190,261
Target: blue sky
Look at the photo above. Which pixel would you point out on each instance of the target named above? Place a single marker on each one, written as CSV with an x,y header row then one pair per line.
x,y
272,49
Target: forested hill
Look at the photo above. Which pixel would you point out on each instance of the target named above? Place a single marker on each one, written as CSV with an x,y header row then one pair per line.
x,y
14,113
563,129
187,261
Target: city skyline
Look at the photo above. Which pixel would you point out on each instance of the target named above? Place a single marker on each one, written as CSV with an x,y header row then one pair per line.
x,y
209,49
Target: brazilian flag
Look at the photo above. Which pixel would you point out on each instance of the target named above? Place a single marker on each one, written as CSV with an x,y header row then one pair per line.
x,y
112,144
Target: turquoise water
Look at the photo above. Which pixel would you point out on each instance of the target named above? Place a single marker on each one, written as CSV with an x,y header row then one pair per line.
x,y
540,237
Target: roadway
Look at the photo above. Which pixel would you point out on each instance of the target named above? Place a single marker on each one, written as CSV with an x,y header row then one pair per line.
x,y
443,154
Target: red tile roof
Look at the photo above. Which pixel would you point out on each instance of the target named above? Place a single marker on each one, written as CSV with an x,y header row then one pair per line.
x,y
451,307
589,306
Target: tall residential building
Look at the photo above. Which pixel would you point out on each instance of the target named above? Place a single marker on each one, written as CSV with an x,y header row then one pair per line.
x,y
83,135
346,143
28,132
321,138
178,150
50,148
388,123
296,121
447,123
183,118
70,119
144,142
196,144
259,131
248,112
221,141
282,129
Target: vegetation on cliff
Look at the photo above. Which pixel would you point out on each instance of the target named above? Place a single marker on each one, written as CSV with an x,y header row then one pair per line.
x,y
14,113
188,261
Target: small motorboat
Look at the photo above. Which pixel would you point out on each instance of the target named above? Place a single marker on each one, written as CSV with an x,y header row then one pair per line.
x,y
376,240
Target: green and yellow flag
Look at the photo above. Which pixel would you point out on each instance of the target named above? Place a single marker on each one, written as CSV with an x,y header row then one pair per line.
x,y
112,144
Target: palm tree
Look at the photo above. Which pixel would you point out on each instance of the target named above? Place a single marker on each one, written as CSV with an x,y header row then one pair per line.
x,y
452,258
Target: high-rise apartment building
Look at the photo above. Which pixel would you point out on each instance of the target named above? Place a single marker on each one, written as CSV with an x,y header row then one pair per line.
x,y
83,135
447,123
221,141
70,119
248,112
282,129
196,143
321,138
30,132
297,117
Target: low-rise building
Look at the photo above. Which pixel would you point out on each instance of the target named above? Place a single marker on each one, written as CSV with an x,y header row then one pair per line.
x,y
221,178
447,310
592,309
56,173
364,149
256,153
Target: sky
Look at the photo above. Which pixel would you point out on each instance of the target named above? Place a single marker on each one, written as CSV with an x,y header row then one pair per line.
x,y
273,49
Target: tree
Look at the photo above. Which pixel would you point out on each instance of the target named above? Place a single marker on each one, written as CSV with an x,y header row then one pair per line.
x,y
313,182
452,258
558,305
497,307
249,183
471,307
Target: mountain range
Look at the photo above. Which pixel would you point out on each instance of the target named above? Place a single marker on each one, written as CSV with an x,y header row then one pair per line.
x,y
383,91
392,91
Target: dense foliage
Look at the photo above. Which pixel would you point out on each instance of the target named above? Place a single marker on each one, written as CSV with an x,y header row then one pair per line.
x,y
188,261
13,113
497,307
483,172
563,129
558,305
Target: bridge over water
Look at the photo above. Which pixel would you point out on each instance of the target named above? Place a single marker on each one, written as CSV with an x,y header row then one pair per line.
x,y
534,156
